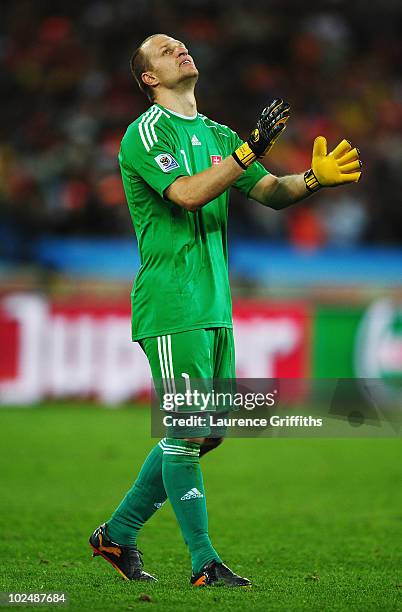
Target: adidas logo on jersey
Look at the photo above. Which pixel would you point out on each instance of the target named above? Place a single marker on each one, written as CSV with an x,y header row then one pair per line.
x,y
192,494
195,141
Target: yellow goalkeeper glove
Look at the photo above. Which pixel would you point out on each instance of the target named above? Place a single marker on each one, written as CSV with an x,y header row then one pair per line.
x,y
339,167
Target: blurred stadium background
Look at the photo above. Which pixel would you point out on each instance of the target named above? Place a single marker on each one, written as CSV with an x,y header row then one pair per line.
x,y
317,288
317,293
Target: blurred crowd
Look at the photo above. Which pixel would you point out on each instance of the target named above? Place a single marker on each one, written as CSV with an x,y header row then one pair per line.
x,y
68,96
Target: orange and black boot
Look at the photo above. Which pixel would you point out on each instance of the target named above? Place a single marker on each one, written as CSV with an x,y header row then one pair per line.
x,y
218,574
125,559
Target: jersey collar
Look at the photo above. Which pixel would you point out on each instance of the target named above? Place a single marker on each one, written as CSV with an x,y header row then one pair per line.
x,y
178,114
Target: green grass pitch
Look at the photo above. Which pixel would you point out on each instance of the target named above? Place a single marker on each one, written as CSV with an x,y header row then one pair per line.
x,y
316,524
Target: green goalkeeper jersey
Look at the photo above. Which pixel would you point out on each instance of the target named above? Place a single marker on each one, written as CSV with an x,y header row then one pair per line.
x,y
183,279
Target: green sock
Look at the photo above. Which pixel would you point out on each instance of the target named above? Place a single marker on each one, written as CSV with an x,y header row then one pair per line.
x,y
183,482
143,499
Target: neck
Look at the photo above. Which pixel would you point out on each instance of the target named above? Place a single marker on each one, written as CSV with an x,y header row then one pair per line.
x,y
182,102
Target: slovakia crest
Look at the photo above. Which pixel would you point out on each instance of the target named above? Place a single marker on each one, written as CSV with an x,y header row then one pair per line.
x,y
216,160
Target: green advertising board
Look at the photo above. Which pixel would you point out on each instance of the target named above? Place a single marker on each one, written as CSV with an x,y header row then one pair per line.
x,y
335,330
353,342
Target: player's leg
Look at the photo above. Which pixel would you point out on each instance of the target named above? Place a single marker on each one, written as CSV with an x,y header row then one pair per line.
x,y
184,484
224,368
190,365
148,492
216,573
194,350
141,502
181,468
146,496
143,499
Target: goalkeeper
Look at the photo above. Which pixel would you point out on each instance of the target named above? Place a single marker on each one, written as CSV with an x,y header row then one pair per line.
x,y
177,168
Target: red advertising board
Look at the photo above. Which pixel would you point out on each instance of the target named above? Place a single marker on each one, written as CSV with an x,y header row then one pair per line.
x,y
84,350
272,339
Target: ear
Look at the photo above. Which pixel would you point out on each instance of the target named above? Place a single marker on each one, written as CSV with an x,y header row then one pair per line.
x,y
149,79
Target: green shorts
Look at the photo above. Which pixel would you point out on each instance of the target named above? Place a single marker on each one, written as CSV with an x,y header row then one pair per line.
x,y
197,360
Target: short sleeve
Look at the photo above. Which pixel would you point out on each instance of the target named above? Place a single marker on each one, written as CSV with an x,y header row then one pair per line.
x,y
150,155
252,175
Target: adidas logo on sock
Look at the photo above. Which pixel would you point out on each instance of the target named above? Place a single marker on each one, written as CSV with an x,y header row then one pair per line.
x,y
192,494
158,505
195,141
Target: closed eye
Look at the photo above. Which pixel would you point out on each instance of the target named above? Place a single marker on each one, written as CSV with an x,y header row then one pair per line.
x,y
165,50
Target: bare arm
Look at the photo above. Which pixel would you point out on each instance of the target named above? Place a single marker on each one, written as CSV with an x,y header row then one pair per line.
x,y
340,167
192,192
280,192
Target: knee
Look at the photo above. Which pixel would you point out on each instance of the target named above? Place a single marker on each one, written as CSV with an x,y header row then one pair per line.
x,y
209,444
206,444
213,442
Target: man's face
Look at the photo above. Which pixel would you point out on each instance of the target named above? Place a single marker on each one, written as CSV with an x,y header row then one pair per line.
x,y
169,61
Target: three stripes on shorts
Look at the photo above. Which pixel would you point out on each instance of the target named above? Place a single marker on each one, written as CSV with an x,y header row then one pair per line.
x,y
166,363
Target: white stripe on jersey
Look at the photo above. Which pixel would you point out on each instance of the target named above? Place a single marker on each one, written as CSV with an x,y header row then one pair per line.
x,y
140,128
152,126
152,117
147,123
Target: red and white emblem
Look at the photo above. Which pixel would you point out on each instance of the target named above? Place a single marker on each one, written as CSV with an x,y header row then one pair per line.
x,y
216,160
